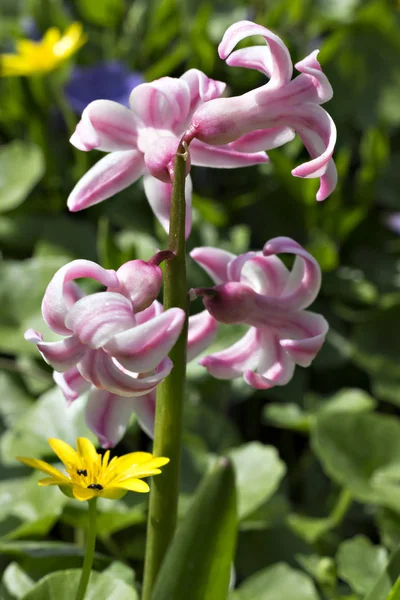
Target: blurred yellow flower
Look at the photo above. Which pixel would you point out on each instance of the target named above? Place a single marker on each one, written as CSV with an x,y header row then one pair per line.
x,y
89,474
33,58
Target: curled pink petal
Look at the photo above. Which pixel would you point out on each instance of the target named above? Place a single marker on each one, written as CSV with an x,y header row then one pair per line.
x,y
202,331
106,373
263,139
72,292
162,104
56,301
266,275
274,364
214,261
318,132
160,156
95,319
106,126
142,348
304,282
60,355
223,157
306,335
232,362
110,175
139,281
159,194
279,64
311,67
201,88
144,408
71,383
108,415
253,57
155,309
235,266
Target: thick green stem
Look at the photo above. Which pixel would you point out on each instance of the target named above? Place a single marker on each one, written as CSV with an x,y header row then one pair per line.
x,y
170,394
89,551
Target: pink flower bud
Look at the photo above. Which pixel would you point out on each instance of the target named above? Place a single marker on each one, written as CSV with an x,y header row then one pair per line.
x,y
139,281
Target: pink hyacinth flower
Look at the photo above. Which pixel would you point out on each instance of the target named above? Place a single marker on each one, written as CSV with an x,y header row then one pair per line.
x,y
257,289
279,108
107,413
143,140
105,342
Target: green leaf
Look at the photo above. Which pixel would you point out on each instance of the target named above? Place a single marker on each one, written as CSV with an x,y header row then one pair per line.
x,y
62,585
48,417
22,285
360,563
387,579
119,570
395,591
362,453
259,470
34,509
321,568
279,582
292,416
106,13
15,582
287,416
310,528
21,167
199,560
14,400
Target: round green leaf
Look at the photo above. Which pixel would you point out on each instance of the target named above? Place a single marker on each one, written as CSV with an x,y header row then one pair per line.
x,y
21,167
62,585
259,471
362,453
360,563
279,582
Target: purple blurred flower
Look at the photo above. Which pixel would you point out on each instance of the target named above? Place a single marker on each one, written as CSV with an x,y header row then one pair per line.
x,y
107,81
392,221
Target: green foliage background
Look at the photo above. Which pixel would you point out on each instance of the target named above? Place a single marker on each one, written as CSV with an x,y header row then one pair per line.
x,y
317,462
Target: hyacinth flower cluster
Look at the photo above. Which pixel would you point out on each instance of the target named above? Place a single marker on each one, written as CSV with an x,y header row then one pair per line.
x,y
116,343
257,289
284,104
141,141
119,345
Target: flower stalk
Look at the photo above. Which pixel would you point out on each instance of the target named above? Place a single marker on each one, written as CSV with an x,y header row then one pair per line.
x,y
89,551
170,394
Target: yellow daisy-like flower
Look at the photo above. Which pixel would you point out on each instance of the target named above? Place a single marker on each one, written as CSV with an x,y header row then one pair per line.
x,y
90,475
34,58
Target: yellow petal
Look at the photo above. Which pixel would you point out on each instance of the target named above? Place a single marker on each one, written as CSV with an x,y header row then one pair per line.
x,y
51,37
113,493
12,64
51,481
26,47
134,485
64,452
70,42
87,451
82,493
35,463
131,460
135,473
106,457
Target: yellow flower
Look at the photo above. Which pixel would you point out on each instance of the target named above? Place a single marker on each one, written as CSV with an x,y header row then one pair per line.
x,y
41,57
90,474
